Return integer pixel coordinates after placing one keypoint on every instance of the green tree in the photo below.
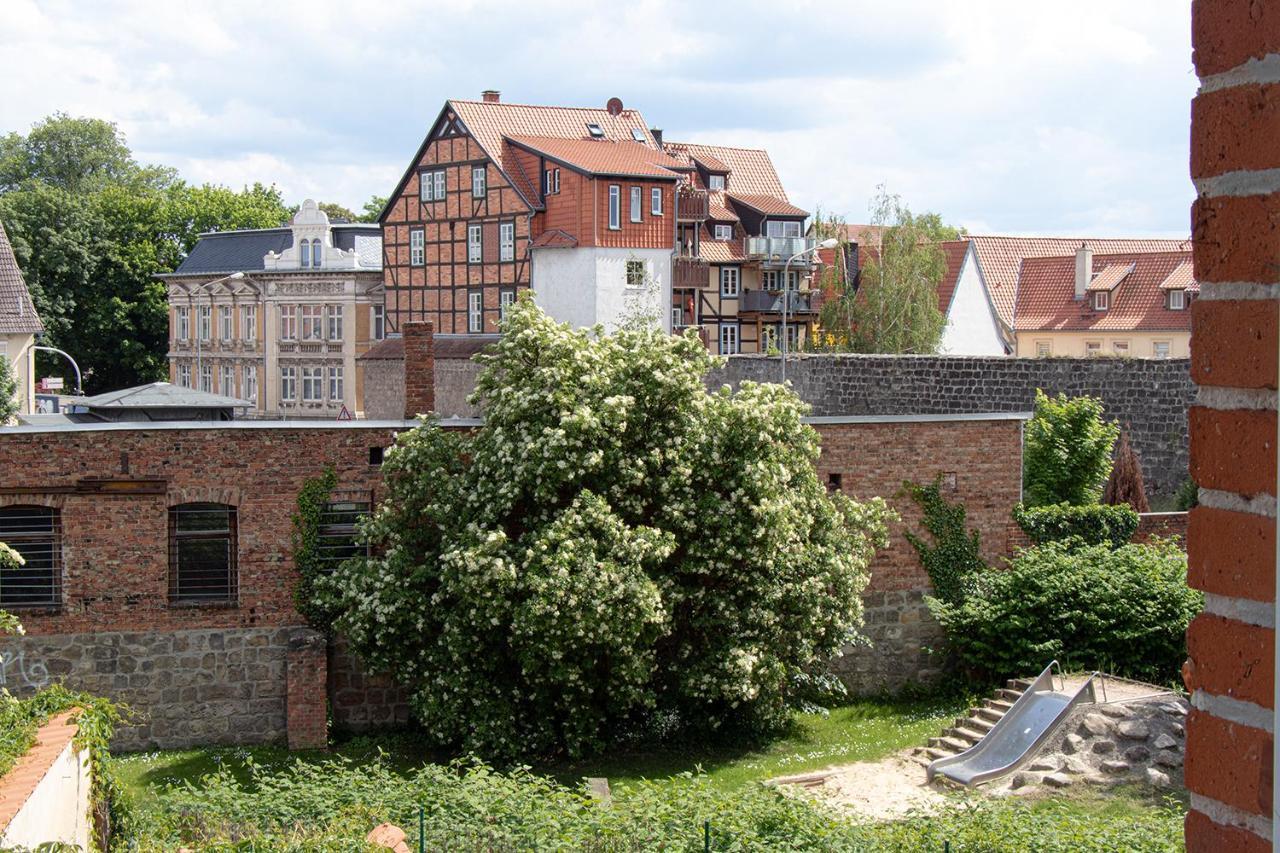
(372, 209)
(612, 542)
(89, 241)
(894, 307)
(1067, 451)
(8, 392)
(9, 559)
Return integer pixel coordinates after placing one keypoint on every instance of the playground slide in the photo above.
(1017, 735)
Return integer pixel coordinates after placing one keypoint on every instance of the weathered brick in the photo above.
(1227, 33)
(1239, 126)
(1231, 553)
(1205, 836)
(1236, 343)
(1228, 762)
(1230, 658)
(1234, 239)
(1234, 450)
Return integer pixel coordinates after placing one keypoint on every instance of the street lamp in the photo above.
(829, 243)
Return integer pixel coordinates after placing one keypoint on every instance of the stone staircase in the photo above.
(967, 731)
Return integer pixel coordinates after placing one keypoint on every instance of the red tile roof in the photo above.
(767, 204)
(719, 208)
(999, 259)
(1108, 278)
(863, 235)
(1046, 294)
(555, 239)
(1182, 278)
(711, 164)
(603, 157)
(954, 252)
(750, 169)
(17, 313)
(722, 251)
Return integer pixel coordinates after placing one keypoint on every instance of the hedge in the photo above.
(1096, 524)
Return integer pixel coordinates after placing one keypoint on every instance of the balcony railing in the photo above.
(770, 302)
(779, 249)
(690, 272)
(693, 205)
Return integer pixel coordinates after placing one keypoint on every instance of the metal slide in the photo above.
(1019, 733)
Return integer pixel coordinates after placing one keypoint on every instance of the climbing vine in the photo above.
(955, 554)
(312, 498)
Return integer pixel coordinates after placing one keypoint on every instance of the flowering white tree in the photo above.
(9, 559)
(614, 541)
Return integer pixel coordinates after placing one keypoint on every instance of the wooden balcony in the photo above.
(690, 272)
(692, 205)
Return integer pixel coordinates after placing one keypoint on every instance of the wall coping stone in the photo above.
(155, 426)
(17, 786)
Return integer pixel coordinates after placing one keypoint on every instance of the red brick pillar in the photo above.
(1235, 164)
(419, 368)
(306, 676)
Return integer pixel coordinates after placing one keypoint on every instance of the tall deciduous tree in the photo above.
(1067, 451)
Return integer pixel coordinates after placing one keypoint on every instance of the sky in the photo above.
(1018, 117)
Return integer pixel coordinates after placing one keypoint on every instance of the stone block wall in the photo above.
(383, 388)
(1150, 396)
(359, 700)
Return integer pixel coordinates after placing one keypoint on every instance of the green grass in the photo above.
(861, 731)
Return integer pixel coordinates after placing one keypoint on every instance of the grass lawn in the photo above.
(861, 731)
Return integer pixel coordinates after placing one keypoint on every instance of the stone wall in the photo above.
(1150, 396)
(383, 388)
(455, 379)
(359, 700)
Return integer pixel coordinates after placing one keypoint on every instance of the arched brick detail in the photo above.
(53, 501)
(228, 495)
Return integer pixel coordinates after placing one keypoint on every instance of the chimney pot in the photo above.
(1084, 269)
(657, 135)
(491, 96)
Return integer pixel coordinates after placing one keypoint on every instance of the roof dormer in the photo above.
(313, 247)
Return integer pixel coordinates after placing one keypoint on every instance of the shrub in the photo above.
(956, 553)
(1099, 524)
(1125, 485)
(307, 558)
(9, 559)
(8, 393)
(1067, 451)
(1124, 611)
(1188, 495)
(614, 541)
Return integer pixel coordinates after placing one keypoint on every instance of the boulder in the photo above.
(1134, 730)
(1115, 766)
(1072, 744)
(1158, 778)
(1057, 780)
(1164, 741)
(1095, 725)
(1168, 758)
(1103, 747)
(1137, 754)
(1114, 711)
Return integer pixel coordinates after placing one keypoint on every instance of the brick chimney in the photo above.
(1084, 269)
(419, 368)
(491, 96)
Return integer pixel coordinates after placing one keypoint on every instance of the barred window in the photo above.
(202, 554)
(35, 532)
(336, 536)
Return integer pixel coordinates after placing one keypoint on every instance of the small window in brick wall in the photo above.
(834, 483)
(375, 455)
(35, 532)
(202, 554)
(336, 537)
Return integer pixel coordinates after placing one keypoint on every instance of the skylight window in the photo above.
(596, 131)
(637, 134)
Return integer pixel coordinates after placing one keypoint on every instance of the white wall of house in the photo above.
(971, 325)
(17, 350)
(586, 286)
(58, 809)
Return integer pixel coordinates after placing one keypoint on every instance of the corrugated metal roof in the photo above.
(17, 312)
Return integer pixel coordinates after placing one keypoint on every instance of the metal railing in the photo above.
(770, 301)
(35, 532)
(778, 248)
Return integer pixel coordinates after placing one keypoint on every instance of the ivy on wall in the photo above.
(955, 553)
(312, 498)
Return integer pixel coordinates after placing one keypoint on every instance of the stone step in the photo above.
(950, 743)
(1020, 684)
(992, 714)
(934, 753)
(998, 704)
(977, 724)
(965, 734)
(1008, 695)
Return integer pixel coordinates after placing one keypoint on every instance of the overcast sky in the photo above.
(1005, 117)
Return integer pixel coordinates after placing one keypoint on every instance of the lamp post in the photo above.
(829, 243)
(55, 350)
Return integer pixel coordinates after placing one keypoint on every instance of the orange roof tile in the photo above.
(1046, 294)
(722, 251)
(751, 170)
(711, 164)
(767, 204)
(1182, 278)
(999, 259)
(603, 157)
(555, 239)
(1109, 277)
(954, 252)
(863, 235)
(719, 209)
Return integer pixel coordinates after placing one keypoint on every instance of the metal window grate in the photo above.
(202, 554)
(336, 537)
(35, 532)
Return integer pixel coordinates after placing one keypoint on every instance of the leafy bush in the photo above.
(1124, 611)
(1188, 495)
(8, 392)
(1098, 524)
(332, 805)
(305, 540)
(613, 542)
(956, 553)
(9, 559)
(1067, 450)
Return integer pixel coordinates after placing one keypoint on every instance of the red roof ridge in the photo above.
(539, 106)
(717, 145)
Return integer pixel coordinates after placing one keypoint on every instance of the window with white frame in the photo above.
(227, 381)
(1044, 349)
(715, 182)
(288, 322)
(1120, 347)
(475, 244)
(1100, 300)
(312, 323)
(655, 201)
(334, 318)
(304, 253)
(312, 384)
(206, 378)
(184, 375)
(431, 186)
(637, 203)
(288, 384)
(335, 384)
(507, 241)
(1092, 348)
(551, 181)
(730, 282)
(635, 273)
(225, 330)
(724, 232)
(205, 314)
(1160, 349)
(250, 388)
(506, 298)
(729, 339)
(615, 206)
(184, 323)
(773, 280)
(249, 322)
(316, 253)
(475, 311)
(779, 228)
(677, 316)
(417, 239)
(478, 174)
(378, 314)
(1177, 300)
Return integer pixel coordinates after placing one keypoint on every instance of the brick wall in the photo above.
(1235, 164)
(419, 368)
(1150, 396)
